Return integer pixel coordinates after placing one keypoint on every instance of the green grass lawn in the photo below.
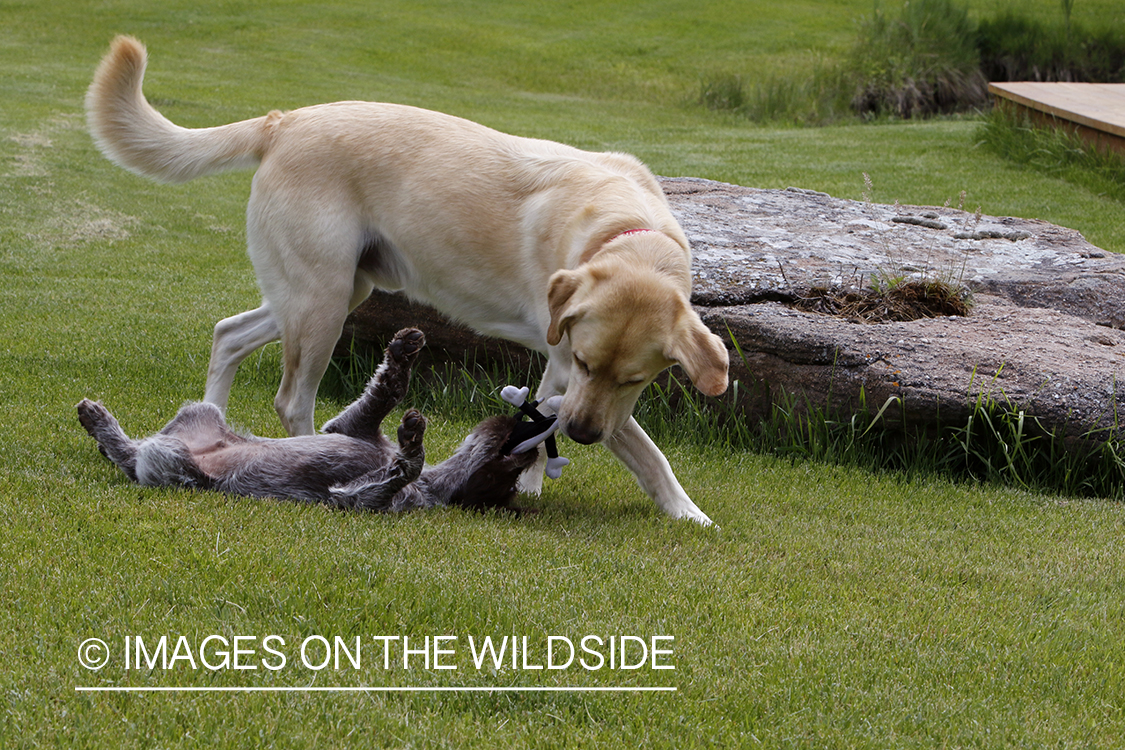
(834, 608)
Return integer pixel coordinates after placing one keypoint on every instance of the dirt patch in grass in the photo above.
(31, 148)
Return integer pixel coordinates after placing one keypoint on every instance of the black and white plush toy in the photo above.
(541, 428)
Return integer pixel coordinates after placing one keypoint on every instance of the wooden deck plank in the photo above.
(1096, 107)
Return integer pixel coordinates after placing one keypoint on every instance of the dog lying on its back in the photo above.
(351, 465)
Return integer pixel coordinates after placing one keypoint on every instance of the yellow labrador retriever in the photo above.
(571, 253)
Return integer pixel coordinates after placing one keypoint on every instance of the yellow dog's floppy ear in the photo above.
(702, 355)
(563, 285)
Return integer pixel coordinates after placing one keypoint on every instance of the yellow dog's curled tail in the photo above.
(135, 136)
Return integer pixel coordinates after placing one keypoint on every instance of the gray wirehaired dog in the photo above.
(350, 465)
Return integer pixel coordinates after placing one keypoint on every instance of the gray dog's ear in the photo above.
(563, 285)
(702, 355)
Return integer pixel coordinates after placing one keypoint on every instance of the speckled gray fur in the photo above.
(350, 465)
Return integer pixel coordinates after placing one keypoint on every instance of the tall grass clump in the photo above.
(818, 98)
(722, 92)
(1014, 47)
(922, 63)
(998, 443)
(929, 59)
(1057, 152)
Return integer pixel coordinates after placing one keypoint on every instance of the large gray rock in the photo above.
(753, 245)
(1043, 332)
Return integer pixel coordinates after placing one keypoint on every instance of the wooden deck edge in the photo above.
(1097, 133)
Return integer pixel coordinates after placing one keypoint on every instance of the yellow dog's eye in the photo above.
(581, 365)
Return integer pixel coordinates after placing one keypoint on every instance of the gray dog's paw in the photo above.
(406, 344)
(91, 414)
(411, 431)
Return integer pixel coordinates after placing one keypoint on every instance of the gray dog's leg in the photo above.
(160, 460)
(385, 390)
(376, 489)
(112, 440)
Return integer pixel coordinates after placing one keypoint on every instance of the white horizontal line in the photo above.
(364, 689)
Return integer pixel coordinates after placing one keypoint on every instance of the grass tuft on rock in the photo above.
(901, 302)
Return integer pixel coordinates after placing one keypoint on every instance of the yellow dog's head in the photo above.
(626, 318)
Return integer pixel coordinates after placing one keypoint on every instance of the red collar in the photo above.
(594, 250)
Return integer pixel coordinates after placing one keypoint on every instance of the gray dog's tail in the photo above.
(137, 137)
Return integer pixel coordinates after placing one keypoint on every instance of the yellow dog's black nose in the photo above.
(582, 433)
